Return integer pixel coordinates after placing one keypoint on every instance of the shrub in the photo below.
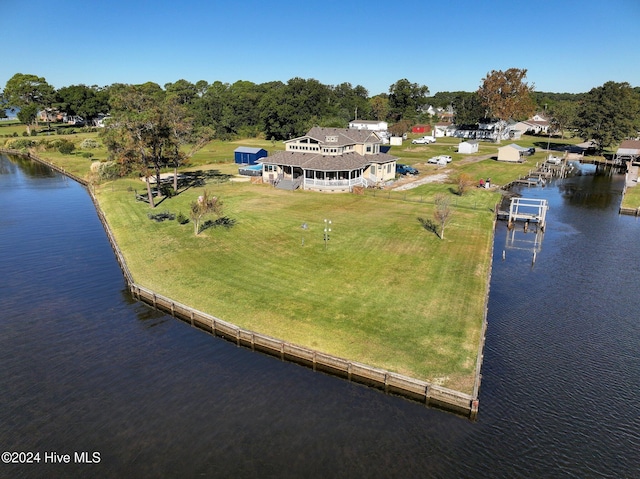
(182, 219)
(20, 144)
(86, 154)
(105, 170)
(89, 144)
(159, 217)
(66, 147)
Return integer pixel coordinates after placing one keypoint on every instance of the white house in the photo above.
(468, 147)
(368, 125)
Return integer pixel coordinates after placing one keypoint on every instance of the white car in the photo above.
(425, 140)
(440, 160)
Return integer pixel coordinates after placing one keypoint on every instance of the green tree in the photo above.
(468, 108)
(609, 114)
(82, 100)
(146, 131)
(405, 99)
(26, 91)
(289, 110)
(506, 95)
(379, 107)
(351, 102)
(563, 115)
(183, 91)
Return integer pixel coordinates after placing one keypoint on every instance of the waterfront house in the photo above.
(330, 160)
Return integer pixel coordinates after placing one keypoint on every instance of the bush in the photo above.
(89, 144)
(86, 154)
(159, 217)
(105, 170)
(20, 144)
(167, 190)
(66, 147)
(182, 219)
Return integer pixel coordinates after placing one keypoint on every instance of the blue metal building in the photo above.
(249, 156)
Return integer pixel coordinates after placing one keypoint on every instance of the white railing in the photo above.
(310, 182)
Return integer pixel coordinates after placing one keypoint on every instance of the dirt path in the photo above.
(408, 183)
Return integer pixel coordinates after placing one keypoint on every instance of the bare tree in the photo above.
(204, 206)
(443, 212)
(464, 181)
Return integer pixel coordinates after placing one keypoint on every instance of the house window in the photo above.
(368, 148)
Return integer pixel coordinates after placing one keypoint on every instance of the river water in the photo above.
(125, 391)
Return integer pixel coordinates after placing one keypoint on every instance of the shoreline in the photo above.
(432, 395)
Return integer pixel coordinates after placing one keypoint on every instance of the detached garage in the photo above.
(512, 152)
(246, 155)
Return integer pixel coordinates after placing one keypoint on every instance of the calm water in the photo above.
(85, 368)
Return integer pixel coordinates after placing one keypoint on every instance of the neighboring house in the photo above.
(100, 120)
(468, 147)
(629, 150)
(490, 131)
(446, 116)
(49, 115)
(330, 160)
(442, 129)
(368, 125)
(421, 129)
(512, 152)
(249, 156)
(536, 125)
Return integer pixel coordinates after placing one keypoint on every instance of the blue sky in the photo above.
(565, 45)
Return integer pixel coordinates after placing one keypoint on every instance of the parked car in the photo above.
(439, 160)
(405, 169)
(425, 140)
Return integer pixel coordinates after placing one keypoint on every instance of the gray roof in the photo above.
(517, 147)
(629, 147)
(344, 136)
(319, 162)
(247, 149)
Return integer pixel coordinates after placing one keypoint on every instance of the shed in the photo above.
(511, 152)
(468, 147)
(421, 129)
(249, 156)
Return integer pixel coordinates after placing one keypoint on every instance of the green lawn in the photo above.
(385, 291)
(631, 198)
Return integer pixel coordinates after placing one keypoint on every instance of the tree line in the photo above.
(278, 111)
